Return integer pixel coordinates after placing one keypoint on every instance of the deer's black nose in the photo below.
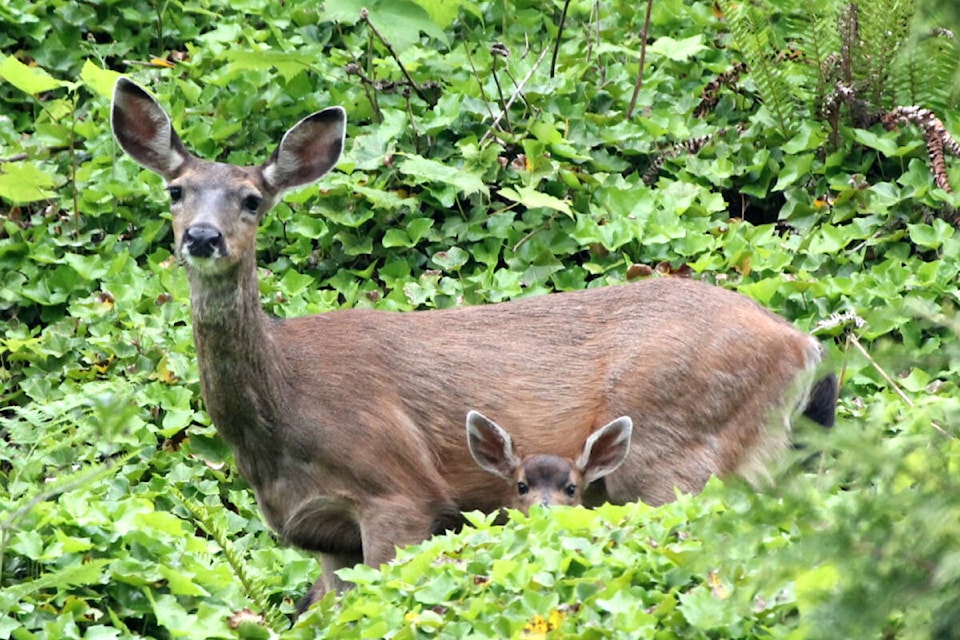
(203, 241)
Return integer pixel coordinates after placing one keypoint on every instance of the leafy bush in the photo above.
(120, 512)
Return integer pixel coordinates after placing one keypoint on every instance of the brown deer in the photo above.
(543, 478)
(349, 425)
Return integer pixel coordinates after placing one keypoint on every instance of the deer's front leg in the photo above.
(329, 580)
(391, 522)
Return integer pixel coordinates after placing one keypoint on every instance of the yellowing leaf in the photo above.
(163, 373)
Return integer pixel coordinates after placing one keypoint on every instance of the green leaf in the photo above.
(444, 12)
(813, 586)
(533, 199)
(181, 583)
(162, 521)
(705, 610)
(288, 64)
(99, 80)
(22, 182)
(885, 144)
(810, 137)
(32, 80)
(424, 171)
(678, 50)
(451, 259)
(400, 22)
(930, 236)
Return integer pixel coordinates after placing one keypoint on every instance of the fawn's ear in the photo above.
(605, 450)
(491, 446)
(144, 130)
(307, 151)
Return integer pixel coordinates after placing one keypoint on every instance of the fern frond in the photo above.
(815, 36)
(884, 26)
(928, 72)
(70, 575)
(754, 37)
(254, 589)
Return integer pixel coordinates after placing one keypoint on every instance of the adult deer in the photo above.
(543, 478)
(349, 425)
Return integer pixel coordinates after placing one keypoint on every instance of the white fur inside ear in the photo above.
(270, 172)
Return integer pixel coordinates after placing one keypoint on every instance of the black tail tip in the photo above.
(822, 404)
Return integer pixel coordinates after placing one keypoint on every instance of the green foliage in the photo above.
(121, 514)
(882, 54)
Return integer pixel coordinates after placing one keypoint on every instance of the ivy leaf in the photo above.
(32, 80)
(452, 259)
(424, 171)
(884, 144)
(533, 199)
(444, 12)
(288, 64)
(22, 182)
(678, 50)
(99, 80)
(400, 22)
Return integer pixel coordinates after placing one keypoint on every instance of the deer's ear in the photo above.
(307, 151)
(144, 130)
(491, 446)
(605, 450)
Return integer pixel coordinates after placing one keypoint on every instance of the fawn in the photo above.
(348, 425)
(544, 478)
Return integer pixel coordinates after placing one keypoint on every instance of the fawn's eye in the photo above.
(176, 194)
(522, 488)
(570, 490)
(252, 203)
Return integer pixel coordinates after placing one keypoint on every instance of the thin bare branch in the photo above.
(365, 16)
(556, 45)
(643, 57)
(893, 385)
(513, 97)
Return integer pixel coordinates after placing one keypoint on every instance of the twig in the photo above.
(526, 78)
(643, 57)
(499, 50)
(483, 93)
(556, 45)
(893, 385)
(20, 157)
(365, 16)
(533, 232)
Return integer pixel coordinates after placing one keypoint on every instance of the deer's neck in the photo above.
(241, 373)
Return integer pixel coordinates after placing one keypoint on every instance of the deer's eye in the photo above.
(176, 194)
(522, 488)
(252, 203)
(570, 490)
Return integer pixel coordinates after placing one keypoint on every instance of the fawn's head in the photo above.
(217, 207)
(542, 478)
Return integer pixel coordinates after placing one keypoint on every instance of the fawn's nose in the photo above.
(203, 241)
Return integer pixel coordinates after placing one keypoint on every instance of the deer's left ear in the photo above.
(310, 149)
(605, 450)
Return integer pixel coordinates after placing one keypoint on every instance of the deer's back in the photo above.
(698, 368)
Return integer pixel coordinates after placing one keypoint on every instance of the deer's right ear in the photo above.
(491, 446)
(144, 130)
